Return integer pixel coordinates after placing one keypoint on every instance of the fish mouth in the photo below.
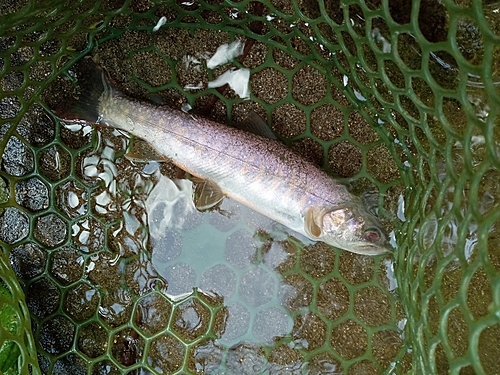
(371, 249)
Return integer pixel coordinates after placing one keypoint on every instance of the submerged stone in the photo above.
(50, 230)
(14, 225)
(55, 163)
(43, 297)
(57, 335)
(28, 260)
(17, 158)
(32, 194)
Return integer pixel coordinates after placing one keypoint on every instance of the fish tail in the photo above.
(92, 86)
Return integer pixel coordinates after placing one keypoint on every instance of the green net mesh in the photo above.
(397, 99)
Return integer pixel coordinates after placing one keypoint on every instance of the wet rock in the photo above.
(50, 230)
(166, 353)
(66, 265)
(309, 332)
(4, 191)
(181, 278)
(21, 56)
(71, 198)
(12, 81)
(81, 302)
(128, 347)
(257, 287)
(296, 293)
(14, 225)
(105, 368)
(55, 163)
(9, 107)
(104, 271)
(43, 297)
(36, 126)
(205, 357)
(191, 320)
(220, 280)
(271, 324)
(17, 158)
(246, 359)
(349, 339)
(56, 335)
(75, 139)
(93, 340)
(165, 249)
(32, 194)
(240, 251)
(70, 364)
(28, 260)
(236, 323)
(88, 235)
(4, 128)
(152, 313)
(116, 307)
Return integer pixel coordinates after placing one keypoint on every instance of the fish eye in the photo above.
(373, 234)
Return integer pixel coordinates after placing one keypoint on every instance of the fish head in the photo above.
(349, 227)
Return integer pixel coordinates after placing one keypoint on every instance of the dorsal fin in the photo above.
(256, 125)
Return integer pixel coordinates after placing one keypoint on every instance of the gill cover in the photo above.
(313, 219)
(312, 227)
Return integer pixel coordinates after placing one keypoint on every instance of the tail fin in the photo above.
(84, 105)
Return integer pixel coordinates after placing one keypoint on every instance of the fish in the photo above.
(248, 166)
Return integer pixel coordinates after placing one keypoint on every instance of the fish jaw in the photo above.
(349, 227)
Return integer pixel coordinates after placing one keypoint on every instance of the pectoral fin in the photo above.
(313, 229)
(207, 195)
(143, 151)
